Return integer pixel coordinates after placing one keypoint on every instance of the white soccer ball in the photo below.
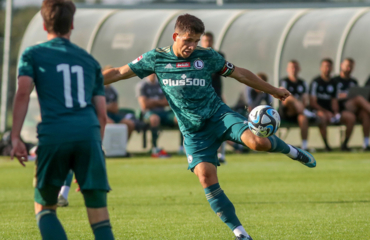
(264, 121)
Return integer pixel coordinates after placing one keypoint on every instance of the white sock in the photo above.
(223, 148)
(366, 142)
(64, 192)
(304, 144)
(239, 231)
(293, 152)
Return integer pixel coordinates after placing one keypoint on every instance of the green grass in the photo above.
(275, 198)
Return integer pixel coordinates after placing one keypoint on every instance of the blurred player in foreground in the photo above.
(70, 89)
(184, 72)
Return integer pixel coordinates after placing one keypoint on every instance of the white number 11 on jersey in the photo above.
(68, 84)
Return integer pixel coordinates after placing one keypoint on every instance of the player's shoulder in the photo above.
(301, 81)
(83, 53)
(161, 50)
(284, 79)
(354, 80)
(33, 48)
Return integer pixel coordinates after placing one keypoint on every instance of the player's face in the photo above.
(346, 67)
(185, 43)
(206, 42)
(293, 69)
(326, 68)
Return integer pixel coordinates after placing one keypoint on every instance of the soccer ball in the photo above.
(264, 121)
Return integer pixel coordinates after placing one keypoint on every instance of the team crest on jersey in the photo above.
(190, 158)
(198, 64)
(183, 65)
(330, 88)
(137, 59)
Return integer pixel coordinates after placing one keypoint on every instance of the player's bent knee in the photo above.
(154, 120)
(95, 198)
(258, 144)
(206, 173)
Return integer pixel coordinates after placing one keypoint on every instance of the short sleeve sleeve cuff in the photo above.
(25, 65)
(143, 65)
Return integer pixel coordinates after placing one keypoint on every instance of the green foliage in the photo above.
(275, 198)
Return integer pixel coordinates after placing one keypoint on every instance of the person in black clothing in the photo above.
(294, 107)
(323, 98)
(256, 97)
(357, 105)
(207, 42)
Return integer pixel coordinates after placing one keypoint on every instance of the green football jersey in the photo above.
(66, 78)
(186, 82)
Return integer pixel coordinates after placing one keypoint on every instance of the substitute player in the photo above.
(184, 72)
(70, 90)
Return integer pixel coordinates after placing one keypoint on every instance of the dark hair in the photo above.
(263, 76)
(328, 60)
(58, 15)
(208, 34)
(349, 60)
(294, 61)
(189, 23)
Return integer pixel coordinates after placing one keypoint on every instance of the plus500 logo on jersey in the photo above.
(185, 82)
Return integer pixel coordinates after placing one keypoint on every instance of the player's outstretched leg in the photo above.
(64, 191)
(220, 204)
(275, 144)
(46, 217)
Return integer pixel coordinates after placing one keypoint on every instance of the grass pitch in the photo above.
(275, 198)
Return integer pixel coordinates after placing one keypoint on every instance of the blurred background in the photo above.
(260, 35)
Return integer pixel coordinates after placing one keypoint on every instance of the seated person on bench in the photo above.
(153, 102)
(323, 98)
(113, 114)
(357, 105)
(293, 109)
(256, 97)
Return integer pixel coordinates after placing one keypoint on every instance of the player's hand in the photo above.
(281, 94)
(19, 150)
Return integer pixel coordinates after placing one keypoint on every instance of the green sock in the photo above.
(278, 145)
(102, 230)
(154, 136)
(49, 225)
(222, 206)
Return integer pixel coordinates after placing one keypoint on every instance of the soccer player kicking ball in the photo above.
(70, 90)
(185, 75)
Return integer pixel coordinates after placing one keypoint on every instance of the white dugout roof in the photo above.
(261, 40)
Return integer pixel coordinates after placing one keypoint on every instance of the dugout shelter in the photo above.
(262, 38)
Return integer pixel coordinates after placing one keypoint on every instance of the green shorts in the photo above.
(167, 117)
(224, 125)
(85, 158)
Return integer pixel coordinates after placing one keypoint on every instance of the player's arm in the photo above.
(115, 74)
(248, 78)
(20, 107)
(101, 112)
